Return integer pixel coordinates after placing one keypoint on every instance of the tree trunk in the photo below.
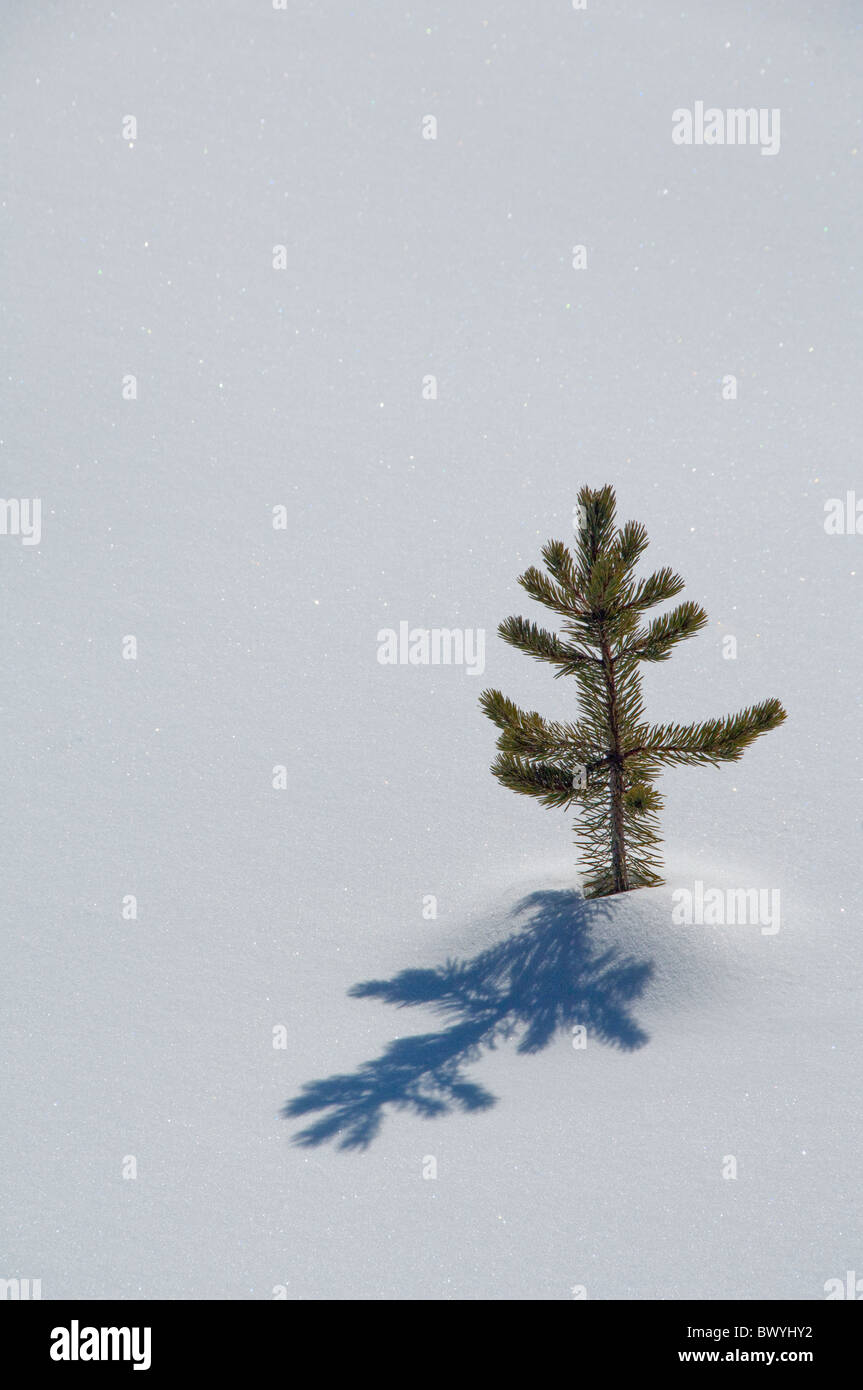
(618, 839)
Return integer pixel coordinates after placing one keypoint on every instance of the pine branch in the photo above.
(598, 511)
(541, 644)
(657, 640)
(552, 785)
(501, 710)
(631, 543)
(575, 663)
(562, 568)
(526, 733)
(662, 585)
(713, 741)
(542, 589)
(604, 585)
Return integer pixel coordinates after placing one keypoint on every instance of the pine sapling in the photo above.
(606, 762)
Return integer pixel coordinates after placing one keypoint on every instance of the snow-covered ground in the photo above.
(501, 1161)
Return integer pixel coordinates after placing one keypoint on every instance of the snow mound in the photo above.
(542, 962)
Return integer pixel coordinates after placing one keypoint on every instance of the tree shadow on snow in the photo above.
(544, 979)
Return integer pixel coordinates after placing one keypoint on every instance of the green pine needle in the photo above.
(606, 762)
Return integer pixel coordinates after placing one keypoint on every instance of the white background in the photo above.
(257, 647)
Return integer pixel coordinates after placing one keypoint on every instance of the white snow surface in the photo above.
(557, 1167)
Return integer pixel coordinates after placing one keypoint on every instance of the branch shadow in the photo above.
(546, 978)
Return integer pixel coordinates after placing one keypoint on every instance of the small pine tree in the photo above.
(607, 761)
